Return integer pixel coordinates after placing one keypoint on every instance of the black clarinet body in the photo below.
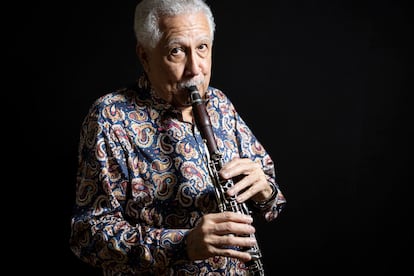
(215, 160)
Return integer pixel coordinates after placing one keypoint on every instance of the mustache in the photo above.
(192, 82)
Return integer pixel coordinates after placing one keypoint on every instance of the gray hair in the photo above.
(148, 12)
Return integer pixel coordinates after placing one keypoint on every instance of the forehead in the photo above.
(194, 25)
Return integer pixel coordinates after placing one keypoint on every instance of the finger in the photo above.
(230, 216)
(244, 167)
(232, 253)
(241, 185)
(231, 240)
(235, 167)
(226, 228)
(249, 186)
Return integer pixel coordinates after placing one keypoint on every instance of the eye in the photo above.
(176, 51)
(203, 47)
(203, 50)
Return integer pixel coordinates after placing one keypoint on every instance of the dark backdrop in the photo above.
(323, 84)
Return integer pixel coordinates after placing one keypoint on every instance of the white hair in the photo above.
(148, 13)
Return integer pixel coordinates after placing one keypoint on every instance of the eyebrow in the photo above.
(180, 41)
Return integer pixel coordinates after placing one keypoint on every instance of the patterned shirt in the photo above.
(143, 181)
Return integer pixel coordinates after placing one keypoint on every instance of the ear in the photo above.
(143, 57)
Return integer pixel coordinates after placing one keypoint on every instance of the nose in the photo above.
(193, 64)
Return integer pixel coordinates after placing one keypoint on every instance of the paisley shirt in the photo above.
(143, 182)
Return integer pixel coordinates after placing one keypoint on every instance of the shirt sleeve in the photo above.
(100, 234)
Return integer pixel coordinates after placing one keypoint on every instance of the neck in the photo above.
(187, 114)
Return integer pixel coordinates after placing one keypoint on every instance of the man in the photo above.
(146, 199)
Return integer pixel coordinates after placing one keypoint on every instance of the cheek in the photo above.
(158, 69)
(206, 66)
(166, 75)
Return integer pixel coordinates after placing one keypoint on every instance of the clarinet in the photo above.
(215, 162)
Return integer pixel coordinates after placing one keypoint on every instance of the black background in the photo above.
(323, 84)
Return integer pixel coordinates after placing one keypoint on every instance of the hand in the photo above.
(253, 184)
(216, 232)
